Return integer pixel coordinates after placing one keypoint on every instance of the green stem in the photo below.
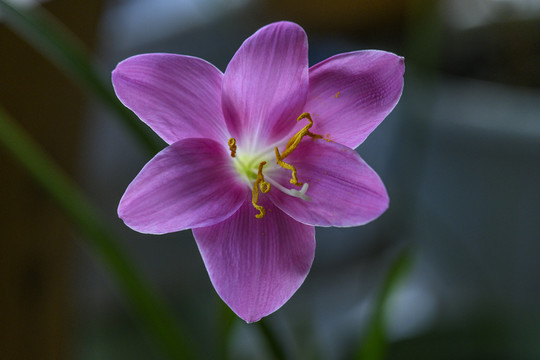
(62, 47)
(375, 341)
(147, 305)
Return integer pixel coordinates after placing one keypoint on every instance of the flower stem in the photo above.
(151, 310)
(64, 49)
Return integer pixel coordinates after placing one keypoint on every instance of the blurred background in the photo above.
(460, 156)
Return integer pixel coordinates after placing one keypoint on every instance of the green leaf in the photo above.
(154, 314)
(62, 47)
(375, 341)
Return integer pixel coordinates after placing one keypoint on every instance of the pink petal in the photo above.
(178, 96)
(188, 184)
(256, 265)
(350, 94)
(266, 83)
(345, 191)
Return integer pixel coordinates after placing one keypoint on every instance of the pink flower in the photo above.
(242, 172)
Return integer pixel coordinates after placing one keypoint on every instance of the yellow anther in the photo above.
(232, 146)
(295, 140)
(283, 164)
(264, 186)
(292, 144)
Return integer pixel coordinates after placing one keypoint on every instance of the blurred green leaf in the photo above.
(154, 314)
(272, 340)
(225, 322)
(375, 341)
(61, 46)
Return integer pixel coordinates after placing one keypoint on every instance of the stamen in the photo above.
(283, 164)
(232, 146)
(292, 144)
(264, 186)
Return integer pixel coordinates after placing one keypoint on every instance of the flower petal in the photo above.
(256, 265)
(265, 84)
(351, 93)
(178, 96)
(188, 184)
(344, 190)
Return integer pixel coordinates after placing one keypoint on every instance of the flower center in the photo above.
(246, 166)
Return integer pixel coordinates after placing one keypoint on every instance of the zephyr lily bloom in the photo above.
(258, 156)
